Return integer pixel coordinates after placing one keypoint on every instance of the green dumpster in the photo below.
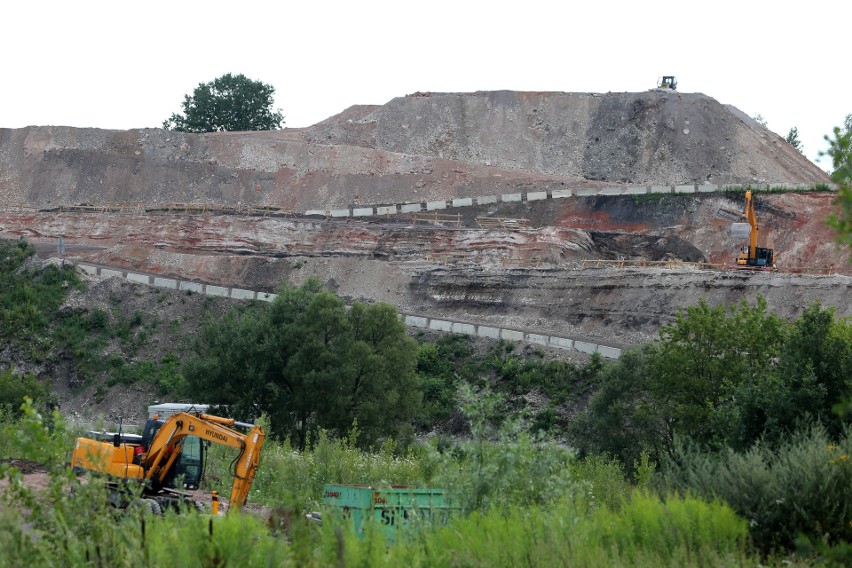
(394, 509)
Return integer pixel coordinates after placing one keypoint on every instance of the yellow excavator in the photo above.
(171, 452)
(755, 257)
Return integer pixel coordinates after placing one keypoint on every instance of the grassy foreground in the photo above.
(535, 505)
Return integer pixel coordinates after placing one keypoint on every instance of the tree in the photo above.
(793, 139)
(310, 364)
(758, 118)
(840, 151)
(228, 103)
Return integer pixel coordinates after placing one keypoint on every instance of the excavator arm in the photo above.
(751, 217)
(165, 448)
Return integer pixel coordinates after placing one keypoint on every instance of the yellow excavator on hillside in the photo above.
(170, 452)
(755, 257)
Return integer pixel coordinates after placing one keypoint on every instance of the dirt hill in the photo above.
(513, 263)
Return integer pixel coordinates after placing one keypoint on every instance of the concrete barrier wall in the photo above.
(369, 211)
(411, 320)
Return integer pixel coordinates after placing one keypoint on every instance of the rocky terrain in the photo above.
(112, 196)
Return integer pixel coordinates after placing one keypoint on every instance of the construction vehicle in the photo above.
(170, 453)
(755, 257)
(667, 83)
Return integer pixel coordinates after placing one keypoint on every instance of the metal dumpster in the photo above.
(393, 509)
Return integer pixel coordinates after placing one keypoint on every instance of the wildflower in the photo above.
(831, 447)
(843, 458)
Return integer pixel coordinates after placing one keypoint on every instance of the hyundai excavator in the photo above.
(170, 451)
(755, 257)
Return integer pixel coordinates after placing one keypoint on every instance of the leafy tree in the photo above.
(815, 371)
(228, 103)
(793, 139)
(840, 151)
(311, 364)
(15, 389)
(758, 118)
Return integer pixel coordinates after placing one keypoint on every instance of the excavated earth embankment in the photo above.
(515, 264)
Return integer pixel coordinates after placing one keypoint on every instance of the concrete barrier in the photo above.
(139, 278)
(387, 210)
(486, 200)
(661, 189)
(216, 291)
(415, 321)
(511, 197)
(536, 195)
(441, 325)
(708, 188)
(463, 202)
(511, 335)
(412, 321)
(465, 328)
(487, 331)
(560, 193)
(537, 338)
(435, 205)
(320, 212)
(609, 352)
(684, 189)
(561, 342)
(612, 191)
(587, 192)
(362, 212)
(192, 286)
(339, 212)
(636, 190)
(240, 294)
(410, 207)
(165, 283)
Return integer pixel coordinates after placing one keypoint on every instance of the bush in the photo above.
(804, 486)
(15, 389)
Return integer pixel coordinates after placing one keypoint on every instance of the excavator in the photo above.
(667, 83)
(755, 258)
(169, 452)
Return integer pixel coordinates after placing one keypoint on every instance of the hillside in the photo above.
(479, 207)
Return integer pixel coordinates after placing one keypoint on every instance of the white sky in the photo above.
(117, 64)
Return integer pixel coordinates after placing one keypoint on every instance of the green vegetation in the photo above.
(310, 364)
(585, 515)
(228, 103)
(721, 379)
(840, 151)
(793, 139)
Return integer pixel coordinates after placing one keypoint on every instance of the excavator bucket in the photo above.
(740, 230)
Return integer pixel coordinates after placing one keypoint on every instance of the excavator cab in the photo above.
(668, 82)
(186, 473)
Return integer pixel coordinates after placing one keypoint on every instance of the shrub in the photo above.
(804, 486)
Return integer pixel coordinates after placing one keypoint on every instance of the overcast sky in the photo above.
(119, 65)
